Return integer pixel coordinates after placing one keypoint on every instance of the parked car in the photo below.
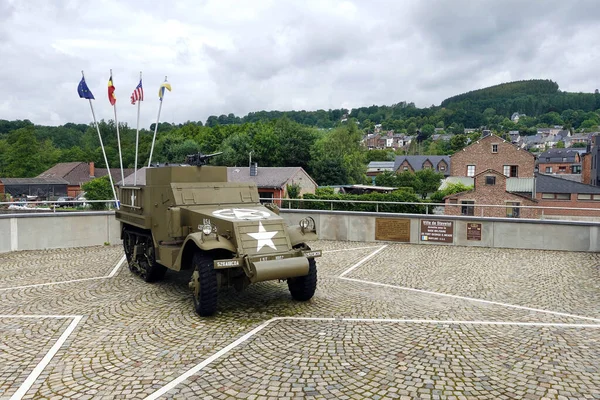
(66, 201)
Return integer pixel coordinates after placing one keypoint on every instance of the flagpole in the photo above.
(118, 138)
(103, 152)
(137, 136)
(155, 129)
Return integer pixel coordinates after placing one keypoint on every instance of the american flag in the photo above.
(138, 93)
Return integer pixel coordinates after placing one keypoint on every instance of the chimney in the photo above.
(254, 169)
(92, 170)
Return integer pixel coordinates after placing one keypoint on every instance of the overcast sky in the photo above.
(239, 56)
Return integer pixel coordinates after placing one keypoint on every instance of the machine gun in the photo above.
(199, 159)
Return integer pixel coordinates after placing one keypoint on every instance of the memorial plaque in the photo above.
(397, 230)
(437, 231)
(473, 231)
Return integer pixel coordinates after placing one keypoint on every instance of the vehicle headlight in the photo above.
(207, 229)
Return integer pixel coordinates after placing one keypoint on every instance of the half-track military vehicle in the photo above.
(189, 217)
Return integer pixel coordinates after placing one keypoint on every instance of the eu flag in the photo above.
(84, 91)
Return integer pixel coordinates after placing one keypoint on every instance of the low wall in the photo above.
(453, 230)
(57, 230)
(79, 229)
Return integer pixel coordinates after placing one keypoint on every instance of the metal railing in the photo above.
(51, 205)
(430, 206)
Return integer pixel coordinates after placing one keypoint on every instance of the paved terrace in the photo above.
(387, 321)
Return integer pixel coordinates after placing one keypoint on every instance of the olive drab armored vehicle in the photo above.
(191, 218)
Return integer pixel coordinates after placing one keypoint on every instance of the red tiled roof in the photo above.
(77, 173)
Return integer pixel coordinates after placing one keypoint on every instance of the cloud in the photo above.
(225, 56)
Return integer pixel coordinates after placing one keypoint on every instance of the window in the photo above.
(584, 196)
(470, 170)
(548, 170)
(494, 148)
(511, 171)
(442, 168)
(562, 169)
(405, 168)
(267, 196)
(490, 180)
(467, 207)
(556, 196)
(512, 209)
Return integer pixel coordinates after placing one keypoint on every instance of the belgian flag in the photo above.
(111, 91)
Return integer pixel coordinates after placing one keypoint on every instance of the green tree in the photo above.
(560, 145)
(386, 178)
(23, 160)
(98, 189)
(329, 171)
(178, 151)
(293, 191)
(341, 147)
(379, 155)
(452, 188)
(411, 129)
(428, 181)
(458, 142)
(295, 142)
(428, 130)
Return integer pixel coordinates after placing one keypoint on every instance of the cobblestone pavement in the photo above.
(136, 338)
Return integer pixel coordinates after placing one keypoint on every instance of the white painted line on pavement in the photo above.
(33, 375)
(497, 303)
(116, 268)
(199, 367)
(452, 322)
(349, 249)
(358, 264)
(38, 316)
(206, 362)
(112, 273)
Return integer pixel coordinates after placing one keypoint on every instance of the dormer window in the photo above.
(494, 148)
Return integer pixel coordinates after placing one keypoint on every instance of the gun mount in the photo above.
(199, 159)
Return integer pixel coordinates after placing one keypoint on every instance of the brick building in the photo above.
(489, 188)
(78, 173)
(559, 161)
(272, 182)
(440, 164)
(586, 169)
(556, 192)
(493, 152)
(590, 169)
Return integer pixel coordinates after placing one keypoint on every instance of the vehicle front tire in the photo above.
(303, 288)
(204, 285)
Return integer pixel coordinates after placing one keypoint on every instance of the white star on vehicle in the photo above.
(241, 213)
(263, 237)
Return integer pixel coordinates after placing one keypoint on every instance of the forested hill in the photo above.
(473, 109)
(325, 142)
(510, 90)
(533, 98)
